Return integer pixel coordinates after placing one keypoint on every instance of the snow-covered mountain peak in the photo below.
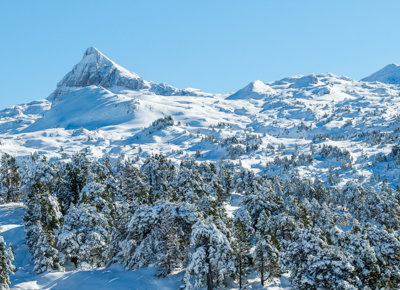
(390, 74)
(98, 70)
(254, 90)
(95, 69)
(93, 51)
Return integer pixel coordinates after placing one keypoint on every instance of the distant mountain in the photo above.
(96, 93)
(390, 74)
(95, 69)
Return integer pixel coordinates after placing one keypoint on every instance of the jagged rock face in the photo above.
(96, 69)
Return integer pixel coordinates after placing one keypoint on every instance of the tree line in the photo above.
(86, 213)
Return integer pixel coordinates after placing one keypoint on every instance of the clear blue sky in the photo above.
(217, 46)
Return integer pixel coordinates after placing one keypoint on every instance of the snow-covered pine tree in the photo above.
(314, 264)
(84, 237)
(212, 182)
(287, 187)
(362, 257)
(42, 215)
(9, 179)
(242, 232)
(326, 220)
(6, 266)
(210, 260)
(386, 244)
(263, 200)
(189, 185)
(265, 257)
(143, 237)
(384, 207)
(277, 186)
(160, 173)
(281, 226)
(225, 178)
(354, 198)
(133, 185)
(320, 191)
(118, 230)
(330, 178)
(85, 234)
(168, 243)
(246, 182)
(98, 192)
(71, 179)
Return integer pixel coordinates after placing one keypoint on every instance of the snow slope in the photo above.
(101, 108)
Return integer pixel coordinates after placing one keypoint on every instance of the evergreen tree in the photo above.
(362, 257)
(9, 179)
(6, 266)
(147, 243)
(42, 215)
(242, 232)
(189, 185)
(84, 237)
(210, 260)
(71, 179)
(246, 182)
(168, 244)
(266, 258)
(263, 200)
(386, 244)
(212, 182)
(160, 173)
(133, 185)
(314, 264)
(225, 178)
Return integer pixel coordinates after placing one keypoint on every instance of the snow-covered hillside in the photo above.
(102, 108)
(315, 125)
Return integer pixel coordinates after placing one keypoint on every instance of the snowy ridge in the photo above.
(390, 74)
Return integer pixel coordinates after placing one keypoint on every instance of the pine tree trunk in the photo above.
(209, 278)
(209, 274)
(10, 189)
(262, 269)
(240, 272)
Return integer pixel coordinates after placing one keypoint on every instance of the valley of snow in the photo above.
(101, 108)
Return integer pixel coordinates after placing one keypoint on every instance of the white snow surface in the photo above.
(101, 108)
